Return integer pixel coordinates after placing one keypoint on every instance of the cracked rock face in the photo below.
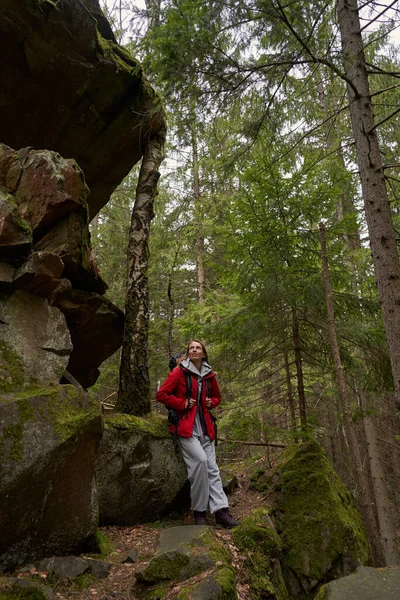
(45, 250)
(67, 86)
(35, 338)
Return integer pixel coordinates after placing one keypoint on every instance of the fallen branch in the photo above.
(109, 396)
(224, 441)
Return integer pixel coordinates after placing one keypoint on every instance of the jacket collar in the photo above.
(205, 368)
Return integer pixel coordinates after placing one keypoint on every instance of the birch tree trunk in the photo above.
(364, 496)
(134, 384)
(377, 210)
(382, 502)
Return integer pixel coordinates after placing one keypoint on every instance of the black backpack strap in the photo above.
(213, 418)
(188, 377)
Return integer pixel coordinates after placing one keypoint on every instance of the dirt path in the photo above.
(144, 539)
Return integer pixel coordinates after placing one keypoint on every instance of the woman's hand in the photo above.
(208, 402)
(190, 403)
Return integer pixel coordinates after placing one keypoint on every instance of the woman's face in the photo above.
(195, 351)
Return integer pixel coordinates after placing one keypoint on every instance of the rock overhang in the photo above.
(68, 86)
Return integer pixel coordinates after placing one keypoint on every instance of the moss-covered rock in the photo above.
(318, 521)
(49, 439)
(154, 424)
(185, 552)
(139, 472)
(257, 539)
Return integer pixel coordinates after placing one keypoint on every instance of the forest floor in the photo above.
(144, 539)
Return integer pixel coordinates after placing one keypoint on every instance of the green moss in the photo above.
(35, 391)
(323, 593)
(261, 546)
(69, 411)
(321, 526)
(14, 592)
(215, 550)
(104, 544)
(12, 435)
(254, 534)
(226, 577)
(144, 97)
(84, 581)
(119, 56)
(153, 424)
(186, 592)
(11, 369)
(167, 566)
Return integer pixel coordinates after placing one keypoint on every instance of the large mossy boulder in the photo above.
(67, 86)
(49, 439)
(316, 516)
(139, 473)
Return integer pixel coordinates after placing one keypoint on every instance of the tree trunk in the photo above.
(364, 496)
(299, 370)
(171, 313)
(134, 384)
(382, 502)
(199, 244)
(377, 210)
(293, 424)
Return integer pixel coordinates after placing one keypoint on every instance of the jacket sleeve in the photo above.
(215, 393)
(166, 392)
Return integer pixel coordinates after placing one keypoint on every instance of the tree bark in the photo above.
(199, 244)
(377, 210)
(382, 502)
(293, 424)
(299, 370)
(364, 496)
(134, 384)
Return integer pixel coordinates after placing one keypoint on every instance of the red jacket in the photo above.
(172, 393)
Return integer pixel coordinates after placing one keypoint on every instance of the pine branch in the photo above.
(378, 15)
(317, 60)
(384, 120)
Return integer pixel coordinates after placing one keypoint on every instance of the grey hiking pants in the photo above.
(203, 473)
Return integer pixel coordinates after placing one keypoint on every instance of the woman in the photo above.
(196, 431)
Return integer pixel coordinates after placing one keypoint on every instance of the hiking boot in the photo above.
(223, 518)
(200, 517)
